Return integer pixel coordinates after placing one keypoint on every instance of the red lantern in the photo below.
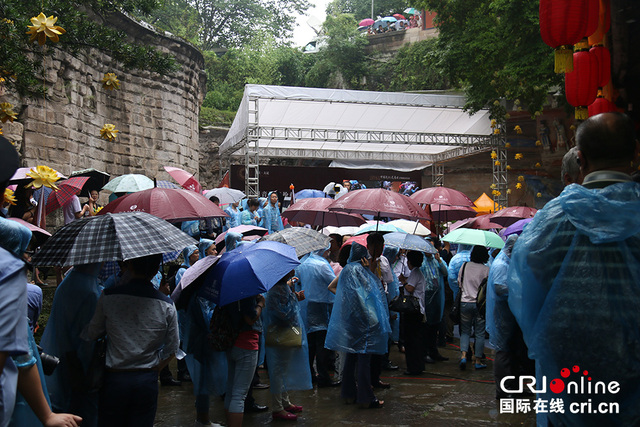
(593, 16)
(581, 85)
(604, 22)
(562, 24)
(604, 64)
(601, 105)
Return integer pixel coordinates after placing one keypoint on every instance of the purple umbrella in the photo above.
(516, 227)
(192, 274)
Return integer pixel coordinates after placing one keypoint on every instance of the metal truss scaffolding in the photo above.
(500, 181)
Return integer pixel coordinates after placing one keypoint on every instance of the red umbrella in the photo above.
(446, 213)
(315, 212)
(360, 238)
(441, 196)
(166, 203)
(508, 216)
(483, 222)
(184, 178)
(399, 16)
(379, 202)
(66, 190)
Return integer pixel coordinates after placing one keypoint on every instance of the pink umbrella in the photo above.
(20, 177)
(315, 212)
(441, 196)
(366, 22)
(184, 178)
(379, 202)
(446, 213)
(166, 203)
(33, 228)
(508, 216)
(245, 230)
(190, 276)
(483, 222)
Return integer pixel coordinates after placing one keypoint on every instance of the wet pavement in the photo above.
(442, 396)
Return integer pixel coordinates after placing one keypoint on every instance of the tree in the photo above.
(22, 60)
(178, 17)
(361, 9)
(414, 68)
(492, 49)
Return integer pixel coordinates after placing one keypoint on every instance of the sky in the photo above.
(303, 34)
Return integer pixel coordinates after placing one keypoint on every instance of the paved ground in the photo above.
(442, 396)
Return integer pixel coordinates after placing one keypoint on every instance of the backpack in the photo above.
(481, 298)
(222, 331)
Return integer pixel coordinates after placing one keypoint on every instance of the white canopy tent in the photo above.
(349, 125)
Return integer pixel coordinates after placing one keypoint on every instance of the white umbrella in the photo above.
(226, 195)
(343, 231)
(411, 227)
(335, 190)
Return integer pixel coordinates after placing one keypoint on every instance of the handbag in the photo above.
(455, 308)
(405, 303)
(283, 336)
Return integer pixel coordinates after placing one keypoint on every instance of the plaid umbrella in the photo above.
(97, 179)
(166, 184)
(304, 240)
(66, 191)
(111, 237)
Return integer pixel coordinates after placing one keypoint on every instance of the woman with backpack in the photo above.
(471, 276)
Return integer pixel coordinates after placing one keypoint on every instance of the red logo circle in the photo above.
(556, 386)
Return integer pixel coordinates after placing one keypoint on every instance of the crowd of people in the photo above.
(564, 293)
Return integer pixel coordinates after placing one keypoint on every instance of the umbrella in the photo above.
(111, 237)
(379, 202)
(411, 227)
(166, 184)
(226, 195)
(382, 227)
(516, 227)
(399, 16)
(366, 22)
(469, 236)
(483, 222)
(409, 242)
(248, 271)
(245, 230)
(441, 196)
(184, 178)
(446, 213)
(109, 268)
(380, 23)
(309, 194)
(508, 216)
(361, 239)
(335, 190)
(166, 203)
(411, 11)
(343, 231)
(304, 240)
(389, 19)
(34, 229)
(315, 212)
(20, 176)
(193, 274)
(97, 179)
(66, 190)
(129, 183)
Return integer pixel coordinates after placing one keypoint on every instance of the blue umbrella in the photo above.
(247, 271)
(409, 242)
(382, 227)
(310, 194)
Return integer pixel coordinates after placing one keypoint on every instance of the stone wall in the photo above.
(157, 116)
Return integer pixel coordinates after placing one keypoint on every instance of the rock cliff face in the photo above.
(157, 116)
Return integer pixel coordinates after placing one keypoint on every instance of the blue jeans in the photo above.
(469, 317)
(242, 365)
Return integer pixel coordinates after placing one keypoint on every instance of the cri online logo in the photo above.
(581, 385)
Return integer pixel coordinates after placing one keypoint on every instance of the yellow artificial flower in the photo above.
(521, 178)
(8, 197)
(496, 103)
(108, 132)
(110, 82)
(572, 127)
(518, 129)
(497, 163)
(537, 113)
(507, 145)
(44, 27)
(7, 113)
(539, 195)
(516, 102)
(518, 156)
(518, 186)
(538, 143)
(494, 155)
(43, 176)
(538, 165)
(494, 123)
(508, 191)
(0, 131)
(98, 210)
(507, 116)
(508, 167)
(496, 131)
(496, 193)
(493, 186)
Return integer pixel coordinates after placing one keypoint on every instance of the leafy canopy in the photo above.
(361, 9)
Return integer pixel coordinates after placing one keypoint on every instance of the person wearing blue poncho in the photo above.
(74, 304)
(235, 214)
(206, 247)
(359, 326)
(250, 215)
(574, 283)
(288, 364)
(433, 269)
(190, 255)
(232, 240)
(271, 214)
(463, 255)
(393, 290)
(315, 275)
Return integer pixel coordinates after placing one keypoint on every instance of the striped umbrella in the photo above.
(69, 188)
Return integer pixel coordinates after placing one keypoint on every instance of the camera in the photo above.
(49, 362)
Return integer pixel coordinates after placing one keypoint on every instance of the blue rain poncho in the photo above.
(272, 220)
(455, 264)
(207, 368)
(499, 319)
(203, 246)
(288, 366)
(433, 272)
(74, 304)
(234, 219)
(360, 317)
(231, 240)
(315, 274)
(393, 290)
(15, 237)
(186, 253)
(574, 287)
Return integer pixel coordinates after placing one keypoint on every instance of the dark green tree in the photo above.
(361, 9)
(414, 68)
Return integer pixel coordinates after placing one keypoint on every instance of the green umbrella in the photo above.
(469, 236)
(129, 184)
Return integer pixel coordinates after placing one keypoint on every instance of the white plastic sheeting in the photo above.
(355, 125)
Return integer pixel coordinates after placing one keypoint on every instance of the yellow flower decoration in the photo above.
(8, 197)
(496, 193)
(108, 132)
(497, 163)
(496, 131)
(493, 186)
(518, 156)
(508, 167)
(538, 165)
(507, 116)
(521, 178)
(518, 186)
(496, 103)
(537, 113)
(572, 127)
(110, 82)
(494, 155)
(494, 123)
(44, 27)
(7, 113)
(518, 129)
(516, 102)
(508, 191)
(43, 176)
(539, 195)
(507, 145)
(538, 143)
(98, 210)
(0, 131)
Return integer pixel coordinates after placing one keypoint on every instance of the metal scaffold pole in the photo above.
(252, 152)
(437, 174)
(499, 165)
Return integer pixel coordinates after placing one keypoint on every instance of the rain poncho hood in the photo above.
(315, 274)
(15, 237)
(434, 290)
(186, 253)
(231, 240)
(499, 320)
(574, 287)
(393, 290)
(203, 246)
(360, 317)
(271, 216)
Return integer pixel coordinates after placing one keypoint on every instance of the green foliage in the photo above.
(215, 117)
(492, 49)
(414, 68)
(361, 9)
(178, 17)
(22, 61)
